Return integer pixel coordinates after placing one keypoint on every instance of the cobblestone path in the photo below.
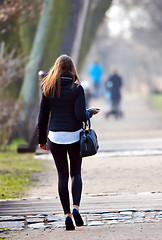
(96, 210)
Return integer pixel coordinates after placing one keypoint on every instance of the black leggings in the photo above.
(59, 152)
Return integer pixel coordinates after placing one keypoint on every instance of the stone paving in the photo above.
(96, 211)
(10, 223)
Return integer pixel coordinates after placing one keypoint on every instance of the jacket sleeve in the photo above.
(81, 113)
(43, 119)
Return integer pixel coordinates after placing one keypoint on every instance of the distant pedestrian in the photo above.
(63, 106)
(113, 88)
(95, 72)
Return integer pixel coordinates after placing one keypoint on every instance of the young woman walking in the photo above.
(63, 106)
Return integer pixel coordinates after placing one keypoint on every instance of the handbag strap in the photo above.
(87, 124)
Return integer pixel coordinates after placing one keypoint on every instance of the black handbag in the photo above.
(88, 141)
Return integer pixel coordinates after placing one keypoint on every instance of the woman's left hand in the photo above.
(95, 110)
(43, 147)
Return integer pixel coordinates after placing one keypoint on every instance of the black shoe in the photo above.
(78, 220)
(69, 223)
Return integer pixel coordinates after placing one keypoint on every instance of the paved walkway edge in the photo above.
(95, 209)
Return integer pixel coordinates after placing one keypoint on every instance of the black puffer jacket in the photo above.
(64, 113)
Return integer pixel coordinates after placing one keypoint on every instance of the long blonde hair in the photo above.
(63, 64)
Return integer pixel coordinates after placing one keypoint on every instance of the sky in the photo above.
(120, 21)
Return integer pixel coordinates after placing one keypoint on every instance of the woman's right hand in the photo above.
(95, 110)
(43, 147)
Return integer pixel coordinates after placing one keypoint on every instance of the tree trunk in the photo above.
(61, 25)
(29, 92)
(61, 31)
(95, 15)
(55, 35)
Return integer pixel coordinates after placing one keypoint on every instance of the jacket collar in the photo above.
(66, 78)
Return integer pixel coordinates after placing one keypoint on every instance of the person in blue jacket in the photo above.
(113, 85)
(63, 109)
(95, 72)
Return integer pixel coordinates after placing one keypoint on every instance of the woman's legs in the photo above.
(75, 172)
(59, 153)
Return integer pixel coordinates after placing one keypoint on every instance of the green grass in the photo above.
(15, 173)
(156, 101)
(15, 143)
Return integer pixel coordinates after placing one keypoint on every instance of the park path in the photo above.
(122, 183)
(124, 145)
(140, 120)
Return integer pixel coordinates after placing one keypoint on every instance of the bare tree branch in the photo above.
(11, 11)
(11, 66)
